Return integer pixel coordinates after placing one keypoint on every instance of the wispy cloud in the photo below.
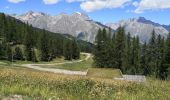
(16, 1)
(145, 5)
(93, 5)
(50, 2)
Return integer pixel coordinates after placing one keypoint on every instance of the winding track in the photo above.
(61, 71)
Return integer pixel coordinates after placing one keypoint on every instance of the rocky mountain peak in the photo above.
(80, 15)
(141, 27)
(75, 24)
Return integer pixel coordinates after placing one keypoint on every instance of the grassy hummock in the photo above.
(104, 73)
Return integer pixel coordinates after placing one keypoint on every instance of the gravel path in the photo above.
(62, 71)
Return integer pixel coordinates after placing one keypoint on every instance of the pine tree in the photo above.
(119, 48)
(2, 50)
(3, 26)
(144, 60)
(28, 44)
(135, 59)
(109, 49)
(75, 50)
(127, 59)
(44, 47)
(152, 54)
(68, 50)
(98, 49)
(34, 56)
(167, 50)
(159, 54)
(18, 54)
(9, 53)
(165, 69)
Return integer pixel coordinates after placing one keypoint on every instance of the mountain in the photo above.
(141, 27)
(77, 24)
(166, 27)
(82, 27)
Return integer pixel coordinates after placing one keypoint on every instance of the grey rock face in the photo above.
(140, 27)
(81, 26)
(76, 24)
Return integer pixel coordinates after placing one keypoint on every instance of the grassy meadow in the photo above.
(31, 84)
(97, 85)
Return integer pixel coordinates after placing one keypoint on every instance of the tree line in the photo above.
(20, 41)
(127, 53)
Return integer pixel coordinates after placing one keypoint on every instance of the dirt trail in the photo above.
(61, 71)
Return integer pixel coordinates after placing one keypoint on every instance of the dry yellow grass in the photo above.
(43, 85)
(104, 73)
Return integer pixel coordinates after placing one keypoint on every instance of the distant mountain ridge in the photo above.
(141, 27)
(76, 24)
(81, 26)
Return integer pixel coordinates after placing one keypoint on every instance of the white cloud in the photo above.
(50, 2)
(135, 3)
(144, 5)
(16, 1)
(92, 5)
(70, 1)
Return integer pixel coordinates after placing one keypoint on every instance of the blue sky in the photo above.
(100, 10)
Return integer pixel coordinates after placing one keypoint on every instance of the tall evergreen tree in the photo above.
(135, 59)
(68, 50)
(75, 50)
(144, 60)
(9, 53)
(44, 47)
(120, 48)
(2, 50)
(3, 26)
(18, 54)
(29, 43)
(98, 49)
(152, 54)
(34, 56)
(165, 70)
(127, 59)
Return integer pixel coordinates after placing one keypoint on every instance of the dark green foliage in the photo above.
(166, 68)
(34, 56)
(144, 60)
(29, 43)
(9, 53)
(128, 56)
(135, 56)
(18, 55)
(2, 50)
(117, 50)
(120, 48)
(44, 47)
(100, 52)
(152, 53)
(14, 32)
(75, 50)
(67, 50)
(167, 50)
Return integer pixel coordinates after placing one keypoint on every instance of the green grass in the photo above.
(80, 66)
(98, 85)
(43, 85)
(104, 73)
